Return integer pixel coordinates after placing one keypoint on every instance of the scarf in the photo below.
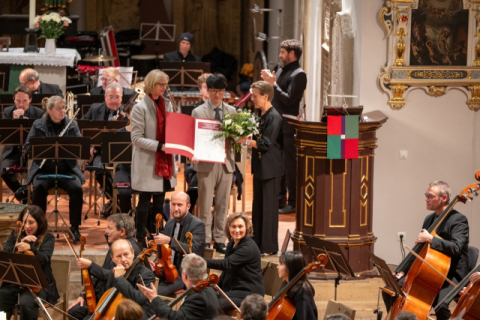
(163, 162)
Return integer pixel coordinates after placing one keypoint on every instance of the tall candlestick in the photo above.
(31, 14)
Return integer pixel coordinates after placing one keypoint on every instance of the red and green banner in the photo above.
(342, 137)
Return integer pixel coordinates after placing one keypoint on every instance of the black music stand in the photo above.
(59, 148)
(116, 149)
(386, 274)
(24, 271)
(184, 74)
(84, 102)
(336, 259)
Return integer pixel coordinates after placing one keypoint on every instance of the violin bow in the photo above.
(73, 250)
(178, 243)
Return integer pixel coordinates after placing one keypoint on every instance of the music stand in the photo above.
(184, 74)
(59, 148)
(286, 240)
(336, 260)
(24, 271)
(387, 277)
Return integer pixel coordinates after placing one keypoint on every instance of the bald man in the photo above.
(31, 79)
(109, 75)
(123, 257)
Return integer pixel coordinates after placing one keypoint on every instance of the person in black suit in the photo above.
(122, 254)
(289, 84)
(267, 169)
(11, 156)
(109, 75)
(53, 122)
(35, 238)
(182, 222)
(119, 226)
(107, 111)
(183, 53)
(198, 305)
(242, 270)
(302, 293)
(452, 240)
(30, 78)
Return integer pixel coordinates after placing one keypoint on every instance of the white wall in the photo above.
(441, 136)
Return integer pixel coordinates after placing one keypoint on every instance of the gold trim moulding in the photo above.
(432, 82)
(465, 68)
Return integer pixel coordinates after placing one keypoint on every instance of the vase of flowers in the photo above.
(52, 26)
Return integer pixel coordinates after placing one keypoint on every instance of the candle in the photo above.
(31, 16)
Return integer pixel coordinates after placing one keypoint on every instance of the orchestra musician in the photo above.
(31, 79)
(34, 237)
(202, 87)
(302, 293)
(198, 305)
(182, 222)
(452, 240)
(153, 171)
(109, 75)
(11, 156)
(214, 178)
(267, 169)
(119, 226)
(241, 267)
(107, 111)
(129, 310)
(51, 125)
(183, 53)
(122, 255)
(254, 307)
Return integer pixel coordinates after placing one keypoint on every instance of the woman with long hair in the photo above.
(33, 237)
(302, 293)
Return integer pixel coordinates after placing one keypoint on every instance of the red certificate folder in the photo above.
(180, 136)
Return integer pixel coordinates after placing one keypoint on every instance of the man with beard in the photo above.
(182, 222)
(289, 84)
(119, 226)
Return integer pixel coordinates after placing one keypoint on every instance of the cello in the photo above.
(468, 307)
(90, 296)
(281, 307)
(163, 266)
(426, 275)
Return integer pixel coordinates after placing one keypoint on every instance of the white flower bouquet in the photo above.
(52, 25)
(238, 125)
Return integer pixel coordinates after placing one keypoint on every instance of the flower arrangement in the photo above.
(52, 25)
(238, 125)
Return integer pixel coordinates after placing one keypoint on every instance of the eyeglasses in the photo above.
(213, 92)
(60, 109)
(114, 97)
(162, 84)
(106, 80)
(430, 196)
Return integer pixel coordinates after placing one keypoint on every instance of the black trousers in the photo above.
(193, 194)
(166, 288)
(72, 187)
(289, 180)
(80, 312)
(97, 161)
(9, 177)
(124, 194)
(9, 298)
(265, 214)
(145, 218)
(236, 296)
(442, 314)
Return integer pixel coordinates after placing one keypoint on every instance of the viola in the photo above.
(108, 303)
(428, 272)
(164, 266)
(90, 296)
(189, 237)
(27, 252)
(282, 308)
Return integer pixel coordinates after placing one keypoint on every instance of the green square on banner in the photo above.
(351, 127)
(334, 147)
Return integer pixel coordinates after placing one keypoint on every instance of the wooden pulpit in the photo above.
(335, 197)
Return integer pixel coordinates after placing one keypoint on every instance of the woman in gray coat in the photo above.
(153, 171)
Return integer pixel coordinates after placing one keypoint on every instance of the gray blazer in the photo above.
(144, 134)
(204, 111)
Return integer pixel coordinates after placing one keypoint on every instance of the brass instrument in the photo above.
(69, 98)
(172, 100)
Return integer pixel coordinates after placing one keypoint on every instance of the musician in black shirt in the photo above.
(183, 53)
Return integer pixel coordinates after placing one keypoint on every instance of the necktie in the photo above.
(217, 113)
(175, 234)
(111, 115)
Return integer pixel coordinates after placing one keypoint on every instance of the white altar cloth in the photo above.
(62, 57)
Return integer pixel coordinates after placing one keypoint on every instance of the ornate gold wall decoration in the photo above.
(309, 191)
(398, 101)
(332, 192)
(436, 91)
(400, 56)
(474, 102)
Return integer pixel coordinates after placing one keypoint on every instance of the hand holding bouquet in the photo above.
(238, 125)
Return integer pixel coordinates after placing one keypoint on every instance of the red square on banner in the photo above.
(351, 148)
(334, 125)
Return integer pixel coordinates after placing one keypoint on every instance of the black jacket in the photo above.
(99, 91)
(267, 157)
(44, 256)
(242, 267)
(31, 113)
(176, 56)
(197, 305)
(288, 91)
(43, 128)
(304, 304)
(47, 88)
(452, 240)
(98, 111)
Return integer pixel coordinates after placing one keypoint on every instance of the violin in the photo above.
(281, 307)
(163, 266)
(128, 106)
(108, 303)
(428, 272)
(27, 252)
(189, 237)
(90, 296)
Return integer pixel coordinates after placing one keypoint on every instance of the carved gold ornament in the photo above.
(397, 102)
(436, 91)
(474, 102)
(400, 58)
